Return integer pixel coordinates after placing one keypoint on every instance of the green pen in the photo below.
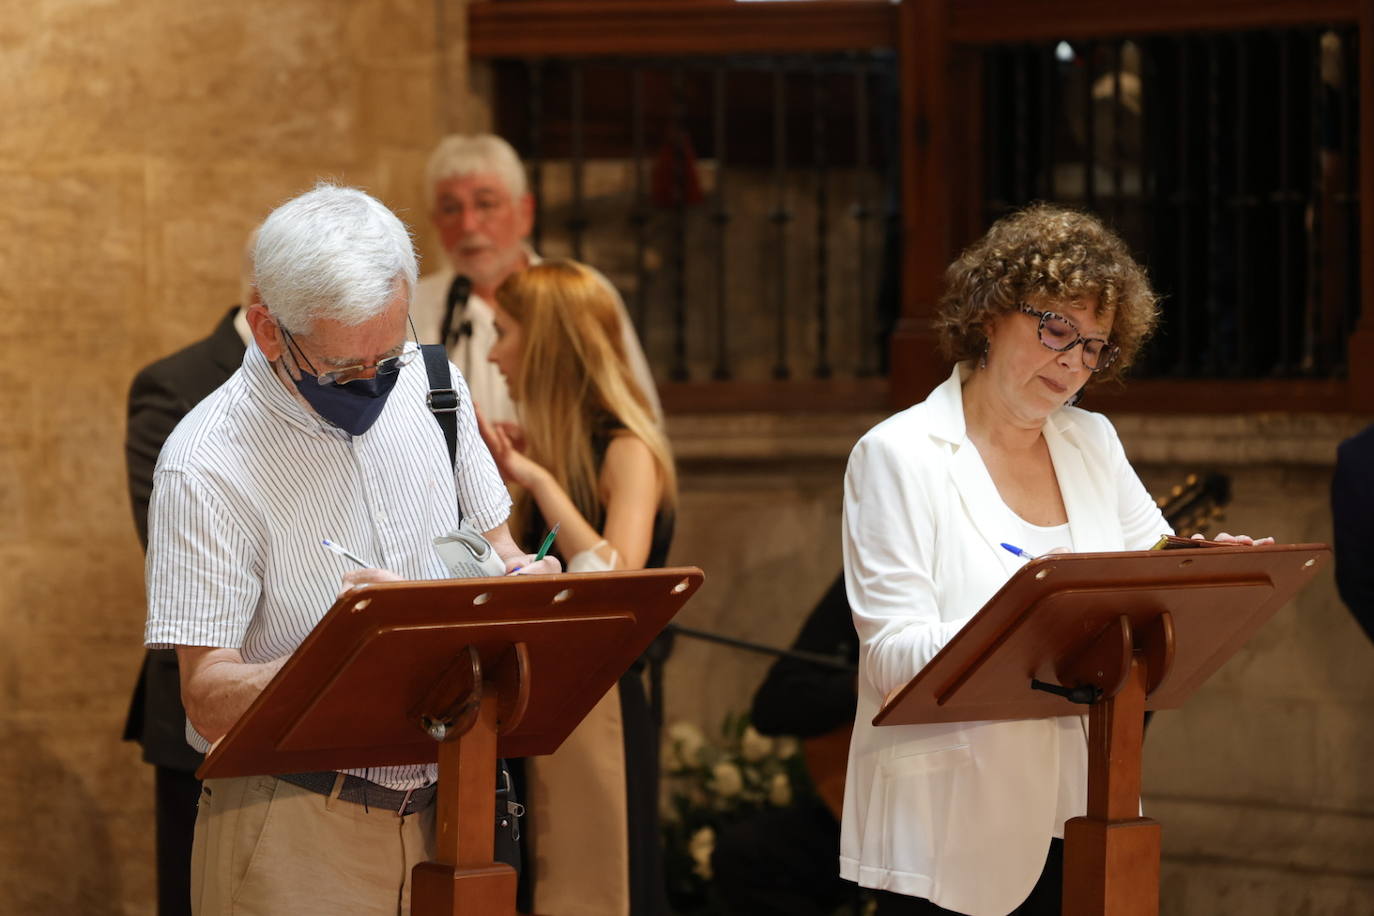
(548, 542)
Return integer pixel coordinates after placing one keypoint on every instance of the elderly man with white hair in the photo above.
(323, 431)
(482, 208)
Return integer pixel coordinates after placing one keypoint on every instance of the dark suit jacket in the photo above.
(1352, 519)
(161, 394)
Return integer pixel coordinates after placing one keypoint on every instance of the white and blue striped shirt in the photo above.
(251, 480)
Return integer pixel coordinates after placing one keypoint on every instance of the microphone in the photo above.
(458, 292)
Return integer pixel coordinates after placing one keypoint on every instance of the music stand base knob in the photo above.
(1111, 868)
(446, 890)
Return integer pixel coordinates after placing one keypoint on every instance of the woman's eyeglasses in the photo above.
(1059, 334)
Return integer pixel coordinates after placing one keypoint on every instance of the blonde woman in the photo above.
(590, 457)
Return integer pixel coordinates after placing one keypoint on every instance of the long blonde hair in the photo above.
(573, 373)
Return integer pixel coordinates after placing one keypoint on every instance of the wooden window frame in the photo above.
(583, 28)
(933, 38)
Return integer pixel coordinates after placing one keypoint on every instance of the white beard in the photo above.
(487, 272)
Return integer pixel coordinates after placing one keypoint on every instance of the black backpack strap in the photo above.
(442, 398)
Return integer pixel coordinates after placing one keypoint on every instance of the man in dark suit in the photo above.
(1352, 521)
(161, 394)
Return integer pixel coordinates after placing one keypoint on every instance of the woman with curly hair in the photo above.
(968, 817)
(590, 457)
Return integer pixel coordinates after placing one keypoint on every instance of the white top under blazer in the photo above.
(961, 813)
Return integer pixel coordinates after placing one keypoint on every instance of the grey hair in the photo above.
(460, 155)
(333, 253)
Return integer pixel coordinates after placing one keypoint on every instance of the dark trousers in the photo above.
(176, 793)
(785, 862)
(782, 862)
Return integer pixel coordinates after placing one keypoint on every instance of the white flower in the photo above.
(780, 790)
(686, 741)
(787, 746)
(701, 845)
(753, 746)
(726, 779)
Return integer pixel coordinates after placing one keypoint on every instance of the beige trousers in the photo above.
(580, 842)
(265, 847)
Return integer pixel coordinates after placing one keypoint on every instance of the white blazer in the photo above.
(960, 813)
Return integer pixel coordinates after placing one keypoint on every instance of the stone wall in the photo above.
(1262, 782)
(141, 143)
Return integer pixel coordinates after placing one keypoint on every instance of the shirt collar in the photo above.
(241, 325)
(267, 388)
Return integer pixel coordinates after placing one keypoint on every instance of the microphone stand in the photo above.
(458, 292)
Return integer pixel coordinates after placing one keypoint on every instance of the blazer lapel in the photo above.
(967, 471)
(983, 503)
(1089, 506)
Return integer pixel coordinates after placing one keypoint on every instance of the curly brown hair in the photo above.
(1063, 254)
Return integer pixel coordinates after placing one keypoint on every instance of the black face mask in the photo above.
(351, 406)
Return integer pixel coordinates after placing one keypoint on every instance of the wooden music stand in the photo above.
(1125, 632)
(457, 671)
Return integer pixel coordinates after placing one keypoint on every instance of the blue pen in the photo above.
(330, 545)
(1018, 551)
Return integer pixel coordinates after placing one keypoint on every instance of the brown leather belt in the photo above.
(364, 792)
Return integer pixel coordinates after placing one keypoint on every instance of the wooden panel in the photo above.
(581, 632)
(982, 21)
(1200, 396)
(968, 172)
(1222, 396)
(530, 28)
(924, 134)
(607, 111)
(802, 394)
(1053, 606)
(1360, 347)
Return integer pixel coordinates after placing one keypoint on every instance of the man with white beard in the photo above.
(481, 205)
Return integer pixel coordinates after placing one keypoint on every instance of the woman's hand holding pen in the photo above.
(1244, 539)
(1027, 555)
(515, 466)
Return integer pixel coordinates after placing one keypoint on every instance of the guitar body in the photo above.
(827, 759)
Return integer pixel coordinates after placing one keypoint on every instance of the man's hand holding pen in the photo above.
(530, 564)
(539, 564)
(548, 566)
(366, 577)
